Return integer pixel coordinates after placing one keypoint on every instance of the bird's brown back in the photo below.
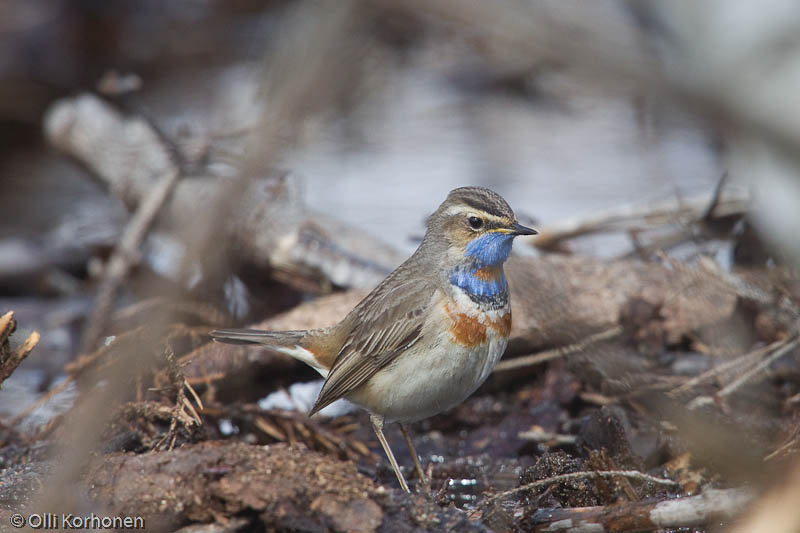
(385, 323)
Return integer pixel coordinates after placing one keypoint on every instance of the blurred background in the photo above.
(341, 126)
(565, 113)
(439, 106)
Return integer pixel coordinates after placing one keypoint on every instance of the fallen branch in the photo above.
(270, 226)
(125, 153)
(710, 506)
(569, 302)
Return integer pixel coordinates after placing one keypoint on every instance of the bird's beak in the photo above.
(519, 229)
(516, 229)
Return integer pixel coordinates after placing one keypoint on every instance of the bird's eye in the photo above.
(475, 222)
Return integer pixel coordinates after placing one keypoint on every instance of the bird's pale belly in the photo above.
(440, 372)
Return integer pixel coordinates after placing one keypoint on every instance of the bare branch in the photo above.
(640, 217)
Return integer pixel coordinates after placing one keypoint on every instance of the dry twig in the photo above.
(782, 349)
(538, 434)
(632, 474)
(641, 217)
(745, 360)
(9, 361)
(788, 346)
(183, 411)
(281, 425)
(43, 399)
(548, 355)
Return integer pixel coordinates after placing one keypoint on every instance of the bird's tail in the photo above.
(293, 343)
(273, 339)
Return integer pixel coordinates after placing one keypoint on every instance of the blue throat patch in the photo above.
(488, 250)
(465, 278)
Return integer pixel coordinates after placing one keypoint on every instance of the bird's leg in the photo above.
(414, 456)
(377, 425)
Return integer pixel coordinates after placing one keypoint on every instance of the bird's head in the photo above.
(477, 225)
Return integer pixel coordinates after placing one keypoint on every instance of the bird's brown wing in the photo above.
(387, 323)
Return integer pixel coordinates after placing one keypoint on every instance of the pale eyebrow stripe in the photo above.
(456, 209)
(463, 209)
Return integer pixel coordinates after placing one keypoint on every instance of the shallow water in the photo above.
(549, 162)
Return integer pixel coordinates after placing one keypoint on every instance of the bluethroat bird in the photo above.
(428, 335)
